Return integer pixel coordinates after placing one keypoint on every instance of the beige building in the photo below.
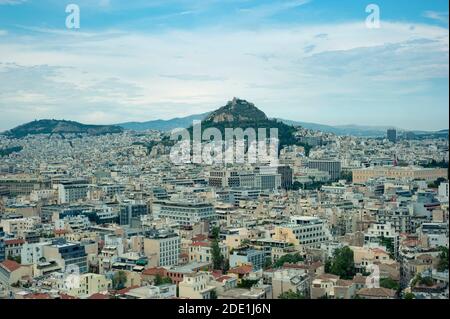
(285, 234)
(233, 241)
(365, 257)
(294, 279)
(87, 284)
(376, 293)
(196, 286)
(201, 251)
(395, 172)
(331, 286)
(11, 272)
(162, 249)
(13, 226)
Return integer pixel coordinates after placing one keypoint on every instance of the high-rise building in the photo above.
(2, 244)
(332, 167)
(69, 256)
(286, 176)
(130, 212)
(392, 135)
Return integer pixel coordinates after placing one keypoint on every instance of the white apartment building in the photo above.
(73, 223)
(184, 213)
(162, 248)
(263, 178)
(379, 232)
(31, 253)
(72, 192)
(310, 231)
(153, 292)
(443, 192)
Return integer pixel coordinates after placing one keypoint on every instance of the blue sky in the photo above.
(313, 61)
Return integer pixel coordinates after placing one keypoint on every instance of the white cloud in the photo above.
(439, 16)
(116, 77)
(267, 10)
(12, 2)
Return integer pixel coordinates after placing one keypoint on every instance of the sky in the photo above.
(305, 60)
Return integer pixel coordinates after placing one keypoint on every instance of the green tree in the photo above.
(268, 263)
(289, 258)
(347, 175)
(119, 279)
(388, 243)
(343, 264)
(416, 280)
(247, 283)
(213, 294)
(443, 259)
(409, 295)
(291, 295)
(217, 257)
(328, 264)
(426, 281)
(159, 280)
(389, 283)
(17, 259)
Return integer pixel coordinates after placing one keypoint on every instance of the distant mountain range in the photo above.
(163, 125)
(60, 127)
(235, 111)
(360, 130)
(342, 130)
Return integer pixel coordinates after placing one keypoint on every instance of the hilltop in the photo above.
(237, 110)
(60, 127)
(239, 113)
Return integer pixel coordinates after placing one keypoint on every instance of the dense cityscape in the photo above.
(110, 216)
(218, 158)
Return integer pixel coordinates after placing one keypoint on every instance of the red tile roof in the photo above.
(64, 296)
(199, 237)
(223, 278)
(201, 243)
(217, 273)
(294, 266)
(241, 270)
(154, 271)
(379, 251)
(10, 265)
(38, 296)
(125, 290)
(98, 296)
(377, 292)
(14, 241)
